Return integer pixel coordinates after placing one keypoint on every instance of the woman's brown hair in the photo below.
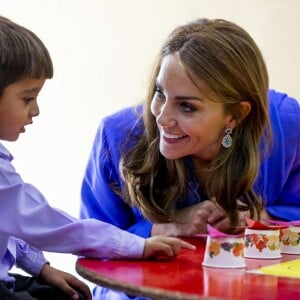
(226, 57)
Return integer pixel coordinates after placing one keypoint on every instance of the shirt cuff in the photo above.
(28, 258)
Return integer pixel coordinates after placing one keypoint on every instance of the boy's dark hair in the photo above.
(22, 54)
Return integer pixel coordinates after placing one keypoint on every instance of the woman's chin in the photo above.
(171, 156)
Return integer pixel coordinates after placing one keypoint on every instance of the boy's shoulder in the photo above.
(4, 153)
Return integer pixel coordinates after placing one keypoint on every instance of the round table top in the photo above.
(184, 277)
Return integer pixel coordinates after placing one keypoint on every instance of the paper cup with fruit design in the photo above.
(290, 240)
(262, 244)
(223, 251)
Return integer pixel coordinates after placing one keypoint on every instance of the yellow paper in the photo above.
(288, 269)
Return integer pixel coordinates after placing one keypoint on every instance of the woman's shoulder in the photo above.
(283, 102)
(120, 124)
(126, 116)
(284, 110)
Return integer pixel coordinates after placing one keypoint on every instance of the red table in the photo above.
(185, 278)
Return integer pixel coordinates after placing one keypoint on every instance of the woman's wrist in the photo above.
(168, 229)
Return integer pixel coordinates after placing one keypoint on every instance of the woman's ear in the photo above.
(241, 111)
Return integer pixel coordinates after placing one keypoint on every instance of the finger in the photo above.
(171, 246)
(187, 245)
(243, 215)
(208, 205)
(222, 225)
(80, 286)
(199, 227)
(216, 216)
(68, 290)
(200, 224)
(203, 214)
(176, 244)
(73, 285)
(164, 249)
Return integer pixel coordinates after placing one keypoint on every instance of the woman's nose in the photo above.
(165, 117)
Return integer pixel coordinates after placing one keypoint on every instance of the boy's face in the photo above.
(18, 105)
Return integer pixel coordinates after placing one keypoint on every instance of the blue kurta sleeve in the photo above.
(279, 180)
(102, 176)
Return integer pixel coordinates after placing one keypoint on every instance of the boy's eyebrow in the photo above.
(32, 90)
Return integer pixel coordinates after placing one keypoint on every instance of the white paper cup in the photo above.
(290, 240)
(262, 244)
(224, 252)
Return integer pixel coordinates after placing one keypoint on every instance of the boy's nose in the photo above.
(35, 111)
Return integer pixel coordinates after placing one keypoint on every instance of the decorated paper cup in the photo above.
(290, 240)
(262, 244)
(224, 252)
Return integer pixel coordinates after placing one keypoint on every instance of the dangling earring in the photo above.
(227, 139)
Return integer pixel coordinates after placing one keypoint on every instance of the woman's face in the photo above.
(190, 122)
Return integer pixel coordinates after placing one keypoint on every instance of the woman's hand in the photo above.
(221, 221)
(194, 219)
(65, 282)
(191, 220)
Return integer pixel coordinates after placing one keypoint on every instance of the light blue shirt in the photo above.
(25, 215)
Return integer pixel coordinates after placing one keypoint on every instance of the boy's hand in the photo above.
(164, 246)
(65, 282)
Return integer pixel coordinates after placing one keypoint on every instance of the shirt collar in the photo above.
(4, 153)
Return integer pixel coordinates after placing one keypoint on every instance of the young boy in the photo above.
(28, 223)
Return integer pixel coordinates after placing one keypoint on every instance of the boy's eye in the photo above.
(28, 99)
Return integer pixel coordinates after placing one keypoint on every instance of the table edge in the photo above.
(154, 293)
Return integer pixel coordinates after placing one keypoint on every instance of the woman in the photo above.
(200, 150)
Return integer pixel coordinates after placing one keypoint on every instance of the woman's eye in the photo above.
(159, 94)
(187, 107)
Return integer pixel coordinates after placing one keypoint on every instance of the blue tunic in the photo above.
(278, 180)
